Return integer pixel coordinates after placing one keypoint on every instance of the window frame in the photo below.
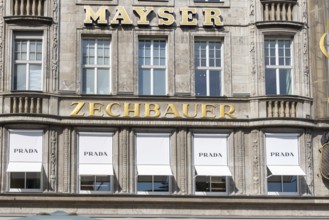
(28, 36)
(170, 177)
(94, 185)
(95, 67)
(152, 67)
(208, 68)
(277, 67)
(281, 193)
(25, 180)
(152, 182)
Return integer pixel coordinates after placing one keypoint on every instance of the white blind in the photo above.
(210, 149)
(153, 149)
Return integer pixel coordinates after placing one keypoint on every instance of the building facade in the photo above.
(195, 108)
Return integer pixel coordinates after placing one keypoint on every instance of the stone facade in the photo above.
(244, 110)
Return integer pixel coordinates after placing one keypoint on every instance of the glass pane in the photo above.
(285, 82)
(103, 183)
(35, 80)
(103, 79)
(20, 77)
(17, 180)
(159, 83)
(200, 83)
(33, 181)
(289, 184)
(144, 183)
(87, 183)
(144, 82)
(214, 82)
(88, 81)
(270, 81)
(202, 184)
(161, 183)
(218, 184)
(274, 184)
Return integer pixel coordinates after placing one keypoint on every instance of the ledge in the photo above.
(280, 24)
(28, 20)
(279, 1)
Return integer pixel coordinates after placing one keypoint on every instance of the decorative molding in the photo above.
(53, 161)
(1, 43)
(309, 162)
(123, 150)
(55, 49)
(66, 161)
(305, 48)
(181, 144)
(255, 162)
(239, 152)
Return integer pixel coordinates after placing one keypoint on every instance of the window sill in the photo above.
(280, 24)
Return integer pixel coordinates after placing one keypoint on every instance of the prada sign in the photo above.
(166, 16)
(152, 110)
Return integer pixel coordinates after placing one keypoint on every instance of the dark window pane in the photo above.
(274, 184)
(33, 181)
(17, 180)
(285, 82)
(215, 83)
(218, 184)
(202, 184)
(144, 183)
(200, 83)
(87, 183)
(270, 81)
(289, 184)
(103, 183)
(161, 183)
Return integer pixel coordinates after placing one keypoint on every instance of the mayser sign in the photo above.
(166, 16)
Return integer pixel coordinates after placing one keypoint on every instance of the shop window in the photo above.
(95, 162)
(283, 169)
(96, 66)
(28, 62)
(153, 163)
(152, 67)
(25, 160)
(210, 163)
(208, 68)
(278, 67)
(153, 184)
(95, 183)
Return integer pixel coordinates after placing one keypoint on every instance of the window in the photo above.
(28, 59)
(282, 158)
(96, 66)
(25, 160)
(152, 67)
(153, 163)
(278, 67)
(95, 162)
(210, 163)
(208, 68)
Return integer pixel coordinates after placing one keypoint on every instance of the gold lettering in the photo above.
(95, 106)
(205, 110)
(212, 16)
(77, 109)
(143, 13)
(229, 113)
(186, 111)
(152, 108)
(121, 14)
(171, 110)
(187, 17)
(128, 110)
(109, 109)
(166, 16)
(99, 17)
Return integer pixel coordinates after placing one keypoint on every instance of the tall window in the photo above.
(28, 62)
(95, 162)
(278, 67)
(152, 67)
(282, 158)
(96, 66)
(208, 68)
(153, 163)
(25, 160)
